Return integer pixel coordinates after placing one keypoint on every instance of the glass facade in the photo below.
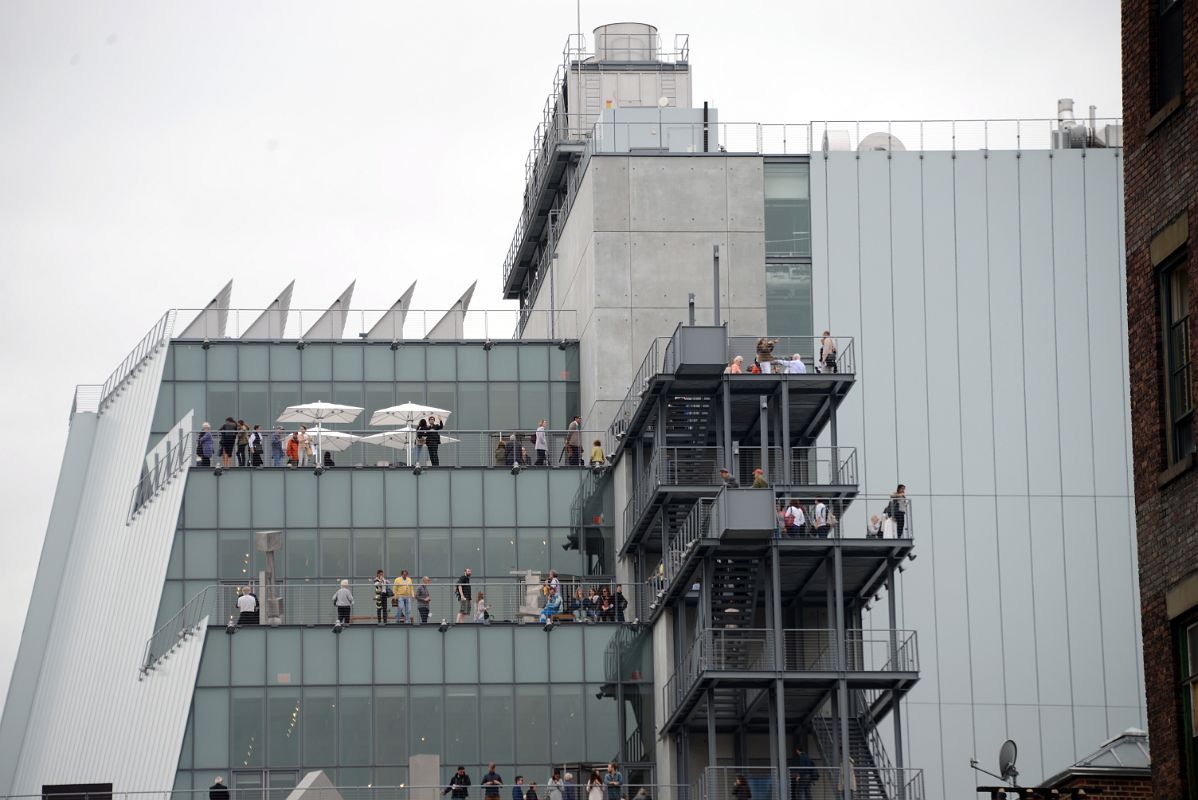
(788, 295)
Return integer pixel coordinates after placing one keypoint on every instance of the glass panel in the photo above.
(390, 658)
(533, 655)
(467, 550)
(461, 655)
(300, 546)
(788, 301)
(248, 657)
(409, 362)
(164, 409)
(532, 499)
(320, 660)
(442, 364)
(467, 487)
(378, 396)
(562, 486)
(379, 363)
(401, 497)
(558, 407)
(246, 744)
(409, 393)
(316, 363)
(174, 567)
(334, 498)
(253, 362)
(534, 362)
(472, 407)
(368, 553)
(495, 652)
(390, 724)
(283, 657)
(234, 556)
(596, 639)
(504, 401)
(334, 555)
(368, 499)
(234, 508)
(461, 723)
(284, 364)
(532, 723)
(567, 562)
(496, 714)
(567, 732)
(561, 365)
(444, 395)
(499, 497)
(787, 209)
(282, 727)
(283, 395)
(189, 362)
(401, 552)
(193, 397)
(254, 404)
(222, 362)
(472, 364)
(347, 362)
(501, 362)
(355, 654)
(356, 725)
(500, 551)
(210, 710)
(534, 404)
(222, 403)
(319, 714)
(214, 664)
(532, 548)
(434, 497)
(301, 500)
(426, 705)
(565, 657)
(427, 664)
(200, 554)
(603, 724)
(269, 509)
(434, 553)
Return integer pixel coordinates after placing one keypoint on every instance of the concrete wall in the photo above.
(985, 295)
(637, 241)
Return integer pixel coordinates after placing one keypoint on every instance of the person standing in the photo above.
(827, 352)
(613, 781)
(492, 782)
(594, 786)
(554, 789)
(382, 593)
(462, 591)
(403, 598)
(597, 457)
(541, 443)
(433, 440)
(727, 479)
(277, 453)
(481, 614)
(218, 790)
(256, 446)
(247, 606)
(458, 787)
(803, 775)
(518, 788)
(621, 603)
(343, 599)
(421, 434)
(794, 518)
(423, 600)
(897, 509)
(305, 446)
(571, 791)
(736, 366)
(205, 446)
(759, 481)
(228, 438)
(819, 518)
(293, 449)
(740, 789)
(573, 448)
(243, 443)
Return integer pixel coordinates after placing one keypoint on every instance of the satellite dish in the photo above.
(1006, 760)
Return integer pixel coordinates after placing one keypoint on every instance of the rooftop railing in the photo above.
(173, 460)
(818, 782)
(157, 336)
(386, 325)
(629, 791)
(346, 448)
(794, 355)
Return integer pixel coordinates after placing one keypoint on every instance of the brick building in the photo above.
(1160, 87)
(1119, 769)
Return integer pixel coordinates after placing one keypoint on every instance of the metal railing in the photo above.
(672, 466)
(809, 466)
(177, 456)
(817, 782)
(696, 526)
(240, 791)
(184, 624)
(777, 354)
(859, 517)
(521, 598)
(389, 326)
(87, 399)
(659, 359)
(157, 336)
(564, 448)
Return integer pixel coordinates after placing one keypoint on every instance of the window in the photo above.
(1188, 652)
(1168, 66)
(1175, 330)
(787, 209)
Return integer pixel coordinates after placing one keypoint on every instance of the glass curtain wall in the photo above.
(788, 294)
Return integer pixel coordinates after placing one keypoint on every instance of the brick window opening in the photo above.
(1169, 62)
(1178, 389)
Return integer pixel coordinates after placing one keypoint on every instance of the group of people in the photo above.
(608, 786)
(597, 604)
(235, 438)
(513, 449)
(765, 362)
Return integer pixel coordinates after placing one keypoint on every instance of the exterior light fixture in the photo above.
(416, 470)
(337, 626)
(394, 344)
(516, 468)
(548, 627)
(562, 345)
(318, 471)
(487, 345)
(444, 626)
(217, 470)
(231, 628)
(300, 345)
(206, 344)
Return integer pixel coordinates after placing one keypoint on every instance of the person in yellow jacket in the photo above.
(403, 595)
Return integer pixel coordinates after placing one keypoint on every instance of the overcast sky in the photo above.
(150, 151)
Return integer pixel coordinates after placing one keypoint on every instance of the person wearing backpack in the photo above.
(794, 519)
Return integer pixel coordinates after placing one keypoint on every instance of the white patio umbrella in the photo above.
(318, 413)
(406, 414)
(401, 439)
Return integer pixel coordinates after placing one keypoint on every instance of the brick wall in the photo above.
(1161, 180)
(1114, 788)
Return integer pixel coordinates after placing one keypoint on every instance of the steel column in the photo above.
(764, 403)
(842, 685)
(784, 432)
(729, 461)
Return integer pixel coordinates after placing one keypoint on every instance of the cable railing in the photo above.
(658, 360)
(180, 627)
(821, 466)
(522, 598)
(173, 460)
(385, 325)
(576, 788)
(857, 517)
(816, 782)
(696, 526)
(157, 336)
(672, 466)
(342, 448)
(793, 355)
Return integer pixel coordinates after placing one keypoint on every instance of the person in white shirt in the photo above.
(798, 519)
(796, 366)
(247, 604)
(343, 599)
(541, 443)
(819, 516)
(553, 789)
(874, 529)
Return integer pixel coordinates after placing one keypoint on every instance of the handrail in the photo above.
(658, 360)
(158, 335)
(177, 629)
(177, 457)
(87, 399)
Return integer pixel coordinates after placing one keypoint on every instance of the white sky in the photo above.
(149, 151)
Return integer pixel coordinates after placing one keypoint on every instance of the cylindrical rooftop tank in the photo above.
(626, 41)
